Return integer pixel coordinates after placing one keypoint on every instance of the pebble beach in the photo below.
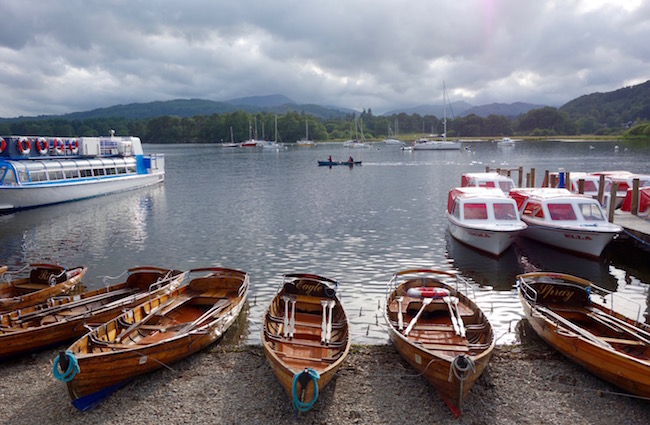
(232, 383)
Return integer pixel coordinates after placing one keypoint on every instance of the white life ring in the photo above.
(74, 146)
(427, 292)
(24, 146)
(57, 146)
(41, 145)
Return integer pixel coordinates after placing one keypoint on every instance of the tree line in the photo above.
(292, 126)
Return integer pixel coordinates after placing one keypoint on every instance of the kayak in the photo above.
(330, 163)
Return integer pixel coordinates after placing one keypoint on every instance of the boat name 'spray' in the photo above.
(551, 291)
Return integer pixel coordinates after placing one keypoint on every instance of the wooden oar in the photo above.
(330, 306)
(323, 326)
(425, 302)
(285, 324)
(400, 316)
(152, 313)
(454, 321)
(572, 326)
(461, 325)
(292, 320)
(622, 325)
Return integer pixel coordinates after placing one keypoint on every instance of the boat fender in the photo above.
(57, 145)
(67, 363)
(24, 146)
(74, 146)
(303, 379)
(41, 145)
(3, 145)
(427, 292)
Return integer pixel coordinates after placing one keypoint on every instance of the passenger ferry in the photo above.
(37, 171)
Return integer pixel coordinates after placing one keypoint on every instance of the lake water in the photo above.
(275, 212)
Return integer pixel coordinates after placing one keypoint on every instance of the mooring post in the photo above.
(634, 208)
(612, 202)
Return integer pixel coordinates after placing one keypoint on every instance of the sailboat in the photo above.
(232, 143)
(306, 141)
(355, 143)
(392, 138)
(268, 144)
(251, 142)
(444, 144)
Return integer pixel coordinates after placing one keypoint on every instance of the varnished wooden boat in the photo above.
(305, 335)
(607, 343)
(43, 282)
(154, 334)
(439, 331)
(65, 318)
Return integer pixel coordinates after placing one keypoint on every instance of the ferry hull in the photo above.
(493, 242)
(584, 242)
(23, 197)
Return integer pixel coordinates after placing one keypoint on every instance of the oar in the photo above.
(461, 325)
(454, 321)
(425, 302)
(292, 320)
(323, 326)
(400, 316)
(330, 305)
(285, 298)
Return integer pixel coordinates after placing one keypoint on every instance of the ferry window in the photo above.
(504, 211)
(71, 174)
(86, 172)
(561, 212)
(455, 210)
(38, 176)
(475, 212)
(506, 186)
(121, 170)
(591, 212)
(130, 169)
(55, 174)
(9, 177)
(486, 184)
(98, 172)
(533, 209)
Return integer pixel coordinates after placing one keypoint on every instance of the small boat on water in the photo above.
(488, 179)
(332, 163)
(305, 335)
(37, 171)
(439, 331)
(483, 218)
(43, 281)
(424, 144)
(566, 220)
(67, 317)
(610, 345)
(154, 334)
(506, 141)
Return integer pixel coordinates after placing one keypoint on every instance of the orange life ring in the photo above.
(24, 146)
(41, 145)
(3, 145)
(57, 146)
(427, 292)
(74, 146)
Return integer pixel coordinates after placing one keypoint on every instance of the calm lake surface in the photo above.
(276, 212)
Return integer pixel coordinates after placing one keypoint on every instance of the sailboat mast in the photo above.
(444, 111)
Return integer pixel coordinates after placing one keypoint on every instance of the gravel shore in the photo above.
(231, 383)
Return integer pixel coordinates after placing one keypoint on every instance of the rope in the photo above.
(71, 371)
(297, 404)
(635, 238)
(460, 367)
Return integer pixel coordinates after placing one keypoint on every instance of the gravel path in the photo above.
(232, 384)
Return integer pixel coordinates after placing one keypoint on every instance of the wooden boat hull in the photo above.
(622, 361)
(106, 362)
(450, 362)
(45, 281)
(42, 326)
(289, 357)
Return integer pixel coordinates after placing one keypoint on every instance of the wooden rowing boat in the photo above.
(305, 335)
(65, 318)
(154, 334)
(608, 344)
(43, 282)
(439, 331)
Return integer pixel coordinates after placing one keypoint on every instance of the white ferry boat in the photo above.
(37, 171)
(565, 220)
(488, 179)
(483, 218)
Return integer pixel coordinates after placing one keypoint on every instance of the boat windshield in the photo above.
(475, 211)
(591, 212)
(505, 211)
(561, 211)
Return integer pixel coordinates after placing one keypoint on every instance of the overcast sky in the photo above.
(76, 55)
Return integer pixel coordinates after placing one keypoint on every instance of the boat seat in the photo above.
(302, 342)
(444, 347)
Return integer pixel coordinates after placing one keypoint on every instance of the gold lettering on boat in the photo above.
(546, 291)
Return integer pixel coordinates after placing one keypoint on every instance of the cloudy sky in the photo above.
(75, 55)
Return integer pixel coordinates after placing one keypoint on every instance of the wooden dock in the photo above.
(635, 226)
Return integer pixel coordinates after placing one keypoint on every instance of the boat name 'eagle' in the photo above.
(546, 291)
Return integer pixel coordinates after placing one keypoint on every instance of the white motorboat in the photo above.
(488, 179)
(565, 220)
(484, 218)
(424, 144)
(506, 141)
(37, 171)
(624, 181)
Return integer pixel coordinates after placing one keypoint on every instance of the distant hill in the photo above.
(614, 108)
(262, 101)
(462, 109)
